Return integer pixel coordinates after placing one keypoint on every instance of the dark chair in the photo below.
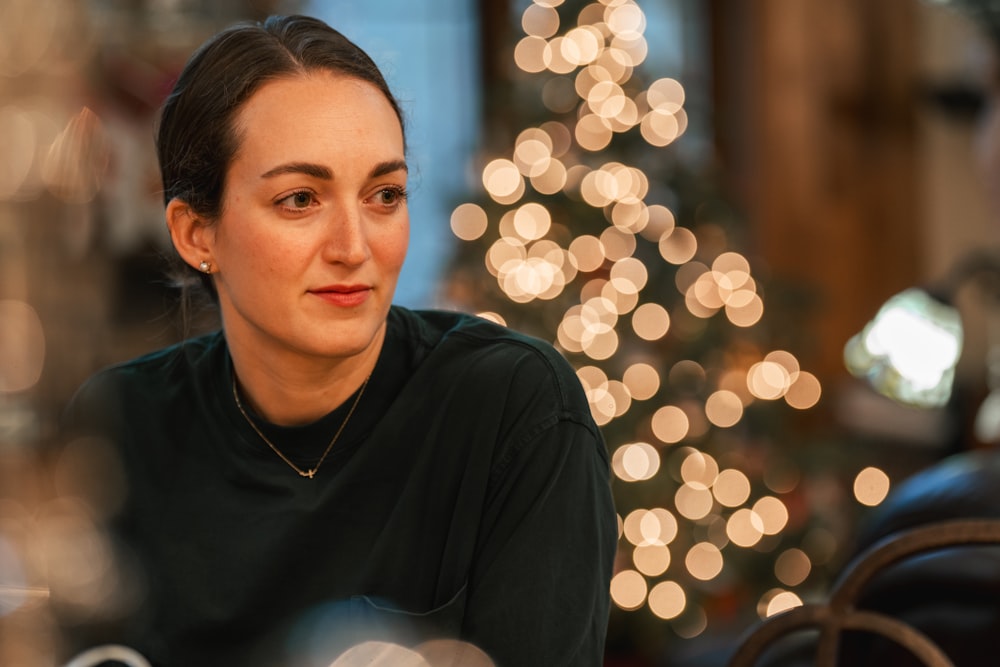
(869, 602)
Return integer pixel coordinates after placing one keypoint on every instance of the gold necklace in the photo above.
(312, 471)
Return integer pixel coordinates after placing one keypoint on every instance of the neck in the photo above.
(290, 389)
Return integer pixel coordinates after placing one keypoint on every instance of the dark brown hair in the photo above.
(197, 138)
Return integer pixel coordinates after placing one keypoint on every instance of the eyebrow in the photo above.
(383, 168)
(307, 168)
(322, 172)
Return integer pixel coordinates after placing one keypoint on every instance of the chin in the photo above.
(338, 342)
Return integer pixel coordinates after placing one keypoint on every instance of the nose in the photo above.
(346, 239)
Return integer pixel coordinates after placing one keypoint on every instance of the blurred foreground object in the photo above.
(909, 351)
(77, 159)
(101, 654)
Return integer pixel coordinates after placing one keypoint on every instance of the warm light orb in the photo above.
(628, 589)
(666, 94)
(469, 222)
(22, 346)
(492, 317)
(772, 513)
(501, 178)
(631, 215)
(629, 275)
(651, 321)
(667, 600)
(529, 54)
(679, 246)
(617, 244)
(635, 462)
(724, 408)
(540, 21)
(670, 424)
(699, 469)
(651, 559)
(554, 56)
(693, 502)
(659, 128)
(586, 253)
(768, 380)
(744, 308)
(731, 488)
(776, 601)
(625, 20)
(704, 561)
(642, 381)
(871, 486)
(504, 254)
(593, 134)
(792, 567)
(583, 45)
(532, 221)
(805, 392)
(650, 527)
(533, 152)
(744, 528)
(661, 223)
(552, 179)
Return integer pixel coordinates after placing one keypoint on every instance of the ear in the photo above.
(191, 236)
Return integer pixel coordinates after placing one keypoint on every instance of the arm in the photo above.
(539, 590)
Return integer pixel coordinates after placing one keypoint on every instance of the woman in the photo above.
(329, 468)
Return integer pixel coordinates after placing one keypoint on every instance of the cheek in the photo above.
(393, 245)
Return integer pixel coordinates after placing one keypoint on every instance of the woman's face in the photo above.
(315, 226)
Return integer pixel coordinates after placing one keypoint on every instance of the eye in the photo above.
(300, 200)
(390, 197)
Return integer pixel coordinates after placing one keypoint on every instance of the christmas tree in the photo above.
(593, 230)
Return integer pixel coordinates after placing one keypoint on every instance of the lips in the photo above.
(344, 296)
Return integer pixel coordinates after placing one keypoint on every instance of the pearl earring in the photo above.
(205, 267)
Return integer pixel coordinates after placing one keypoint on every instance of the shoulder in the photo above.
(494, 356)
(115, 388)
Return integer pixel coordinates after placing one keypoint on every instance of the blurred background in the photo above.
(700, 202)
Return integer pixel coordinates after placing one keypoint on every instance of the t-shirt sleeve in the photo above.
(539, 589)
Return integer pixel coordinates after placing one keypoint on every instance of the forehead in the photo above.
(318, 111)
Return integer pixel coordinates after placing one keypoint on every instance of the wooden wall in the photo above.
(815, 121)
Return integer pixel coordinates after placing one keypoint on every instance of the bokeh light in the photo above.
(871, 486)
(704, 561)
(792, 567)
(22, 346)
(469, 221)
(667, 599)
(776, 601)
(628, 589)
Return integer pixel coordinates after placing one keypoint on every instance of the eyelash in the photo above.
(297, 193)
(400, 193)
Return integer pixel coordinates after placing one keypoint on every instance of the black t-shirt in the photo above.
(467, 497)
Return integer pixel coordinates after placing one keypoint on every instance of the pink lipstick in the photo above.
(344, 296)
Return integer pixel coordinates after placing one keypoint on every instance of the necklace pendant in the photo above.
(308, 473)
